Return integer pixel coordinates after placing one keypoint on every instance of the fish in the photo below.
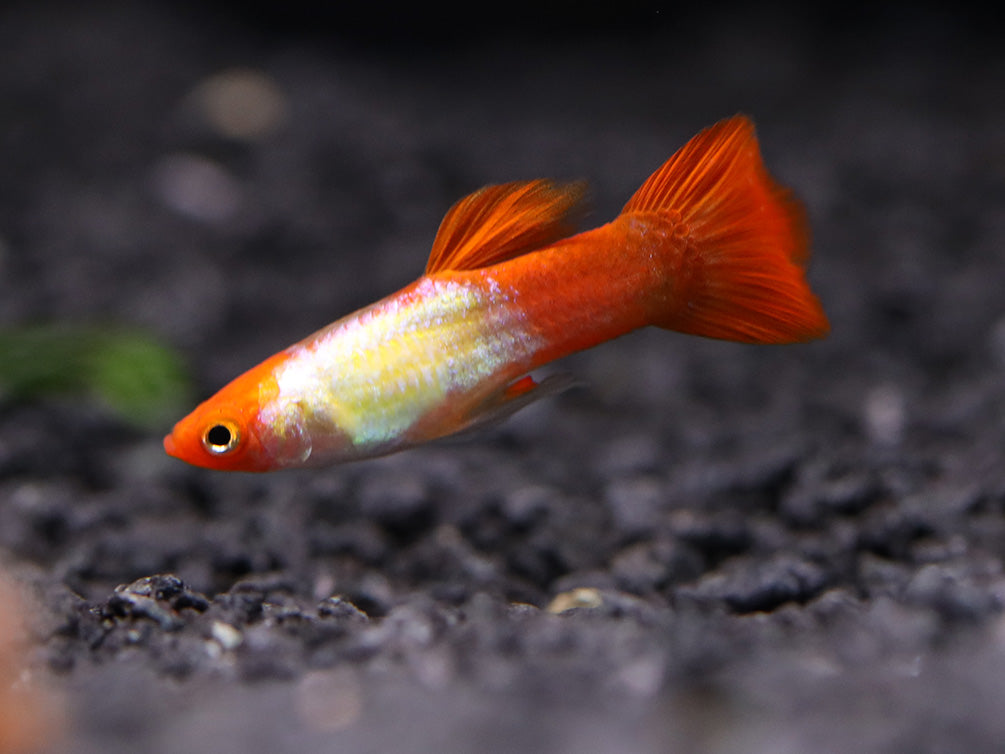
(709, 245)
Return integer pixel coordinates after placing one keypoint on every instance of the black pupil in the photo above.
(219, 436)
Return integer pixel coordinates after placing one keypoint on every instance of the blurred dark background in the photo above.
(708, 547)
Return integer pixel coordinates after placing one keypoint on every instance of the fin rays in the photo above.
(500, 222)
(748, 241)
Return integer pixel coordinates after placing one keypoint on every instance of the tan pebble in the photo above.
(583, 597)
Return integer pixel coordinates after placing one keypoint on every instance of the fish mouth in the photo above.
(169, 446)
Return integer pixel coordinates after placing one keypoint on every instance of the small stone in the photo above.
(649, 566)
(635, 503)
(525, 505)
(197, 187)
(340, 609)
(583, 597)
(400, 502)
(241, 103)
(884, 414)
(224, 634)
(748, 586)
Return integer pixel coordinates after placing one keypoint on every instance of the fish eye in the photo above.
(221, 438)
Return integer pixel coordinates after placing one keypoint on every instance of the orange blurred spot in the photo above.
(27, 712)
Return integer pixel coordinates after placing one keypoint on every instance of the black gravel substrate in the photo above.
(706, 548)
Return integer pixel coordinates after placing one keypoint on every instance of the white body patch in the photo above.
(370, 377)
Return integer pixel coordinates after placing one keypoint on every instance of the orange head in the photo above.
(241, 428)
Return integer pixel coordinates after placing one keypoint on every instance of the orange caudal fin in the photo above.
(741, 242)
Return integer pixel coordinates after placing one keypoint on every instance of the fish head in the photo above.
(243, 427)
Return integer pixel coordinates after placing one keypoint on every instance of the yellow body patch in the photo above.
(374, 375)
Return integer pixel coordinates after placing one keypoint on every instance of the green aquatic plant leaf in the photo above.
(140, 379)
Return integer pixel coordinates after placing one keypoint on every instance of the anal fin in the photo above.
(515, 396)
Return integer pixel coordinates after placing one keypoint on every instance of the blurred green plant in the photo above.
(140, 379)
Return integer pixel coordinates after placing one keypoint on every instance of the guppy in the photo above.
(709, 245)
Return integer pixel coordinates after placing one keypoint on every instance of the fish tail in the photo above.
(733, 243)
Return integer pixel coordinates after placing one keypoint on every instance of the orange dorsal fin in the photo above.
(498, 223)
(745, 241)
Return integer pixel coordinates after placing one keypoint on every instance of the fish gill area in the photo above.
(704, 547)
